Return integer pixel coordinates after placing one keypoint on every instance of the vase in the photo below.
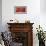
(41, 43)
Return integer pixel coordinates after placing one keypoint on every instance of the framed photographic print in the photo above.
(20, 10)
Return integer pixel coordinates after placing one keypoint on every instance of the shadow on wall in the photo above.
(43, 6)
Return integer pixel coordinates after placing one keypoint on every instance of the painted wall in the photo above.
(34, 14)
(43, 14)
(33, 11)
(43, 6)
(0, 15)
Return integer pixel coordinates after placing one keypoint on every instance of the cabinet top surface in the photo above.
(19, 23)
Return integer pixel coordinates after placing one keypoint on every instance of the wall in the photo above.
(43, 14)
(43, 6)
(33, 10)
(34, 14)
(0, 15)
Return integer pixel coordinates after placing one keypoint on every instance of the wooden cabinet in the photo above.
(22, 33)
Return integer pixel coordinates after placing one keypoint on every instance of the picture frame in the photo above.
(20, 10)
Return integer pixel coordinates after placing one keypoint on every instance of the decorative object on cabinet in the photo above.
(27, 21)
(20, 9)
(22, 33)
(13, 21)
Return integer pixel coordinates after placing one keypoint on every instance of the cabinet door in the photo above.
(24, 38)
(20, 37)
